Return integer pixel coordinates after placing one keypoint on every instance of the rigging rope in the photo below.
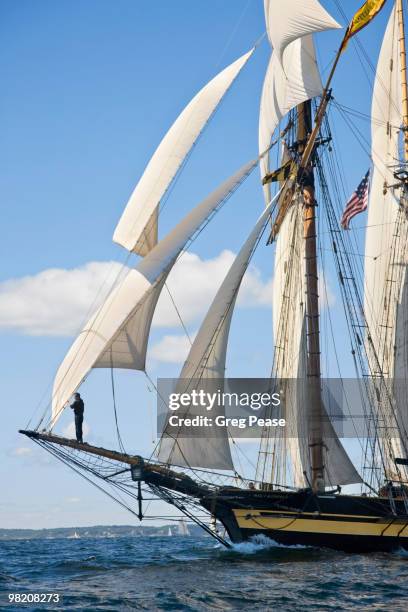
(233, 32)
(178, 314)
(119, 437)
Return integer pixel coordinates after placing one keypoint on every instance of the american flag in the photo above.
(357, 203)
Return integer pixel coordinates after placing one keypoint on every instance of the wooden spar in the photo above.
(154, 473)
(93, 450)
(312, 304)
(403, 65)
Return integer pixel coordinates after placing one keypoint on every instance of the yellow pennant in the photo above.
(364, 15)
(281, 174)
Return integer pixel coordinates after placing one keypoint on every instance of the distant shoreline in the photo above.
(98, 531)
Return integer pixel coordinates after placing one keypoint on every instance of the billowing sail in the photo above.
(383, 203)
(288, 20)
(117, 334)
(386, 241)
(206, 363)
(292, 75)
(289, 315)
(284, 87)
(137, 227)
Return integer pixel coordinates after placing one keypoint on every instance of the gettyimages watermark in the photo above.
(248, 407)
(202, 408)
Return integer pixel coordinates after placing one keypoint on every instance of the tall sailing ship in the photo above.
(294, 496)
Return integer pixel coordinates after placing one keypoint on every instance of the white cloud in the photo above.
(170, 349)
(21, 451)
(194, 282)
(72, 500)
(57, 302)
(30, 455)
(254, 291)
(327, 296)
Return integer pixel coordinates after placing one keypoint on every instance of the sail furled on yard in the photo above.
(137, 229)
(117, 334)
(386, 243)
(290, 363)
(205, 365)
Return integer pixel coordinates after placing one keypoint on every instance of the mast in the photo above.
(304, 178)
(312, 299)
(403, 63)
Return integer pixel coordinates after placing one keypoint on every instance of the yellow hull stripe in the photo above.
(290, 512)
(254, 520)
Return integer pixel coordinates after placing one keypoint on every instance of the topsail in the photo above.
(292, 75)
(289, 20)
(284, 87)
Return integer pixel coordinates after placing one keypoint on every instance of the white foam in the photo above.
(260, 542)
(401, 552)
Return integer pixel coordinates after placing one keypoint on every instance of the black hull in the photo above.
(344, 543)
(342, 522)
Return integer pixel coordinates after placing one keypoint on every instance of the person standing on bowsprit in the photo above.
(78, 407)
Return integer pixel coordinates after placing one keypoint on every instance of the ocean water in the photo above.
(184, 573)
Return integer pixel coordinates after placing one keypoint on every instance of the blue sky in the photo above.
(89, 89)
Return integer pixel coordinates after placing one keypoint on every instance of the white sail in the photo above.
(295, 80)
(137, 227)
(401, 361)
(380, 297)
(289, 316)
(117, 334)
(292, 75)
(287, 20)
(128, 348)
(206, 364)
(182, 528)
(386, 238)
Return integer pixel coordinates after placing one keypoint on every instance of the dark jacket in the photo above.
(78, 407)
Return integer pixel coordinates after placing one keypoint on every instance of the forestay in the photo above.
(118, 332)
(206, 364)
(137, 228)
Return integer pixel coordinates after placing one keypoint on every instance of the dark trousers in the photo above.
(79, 419)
